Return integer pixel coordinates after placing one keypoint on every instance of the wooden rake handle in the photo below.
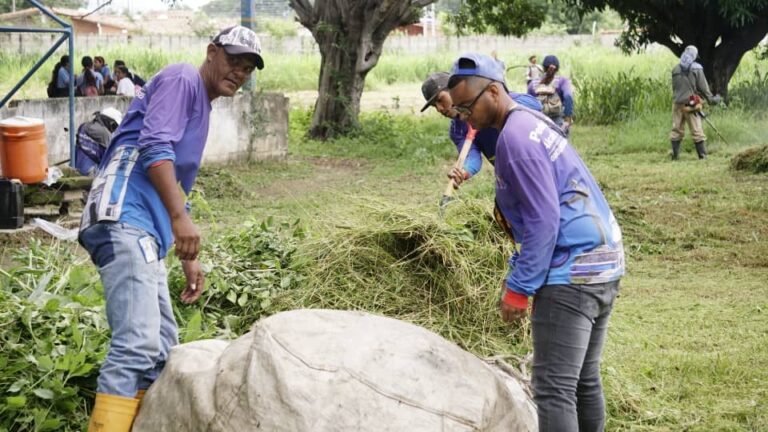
(468, 140)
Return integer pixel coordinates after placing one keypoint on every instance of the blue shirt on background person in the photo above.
(485, 141)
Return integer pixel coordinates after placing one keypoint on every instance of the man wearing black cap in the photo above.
(555, 93)
(435, 91)
(136, 212)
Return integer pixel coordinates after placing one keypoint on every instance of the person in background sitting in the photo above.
(59, 85)
(139, 81)
(100, 66)
(125, 87)
(90, 83)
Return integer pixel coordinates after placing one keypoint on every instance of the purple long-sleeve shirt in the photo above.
(167, 120)
(566, 230)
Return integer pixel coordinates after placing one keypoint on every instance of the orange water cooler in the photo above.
(23, 149)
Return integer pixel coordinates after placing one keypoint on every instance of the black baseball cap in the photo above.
(433, 85)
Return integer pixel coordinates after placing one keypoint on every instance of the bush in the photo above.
(752, 93)
(413, 142)
(611, 99)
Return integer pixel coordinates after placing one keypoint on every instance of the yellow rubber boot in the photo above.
(113, 413)
(140, 395)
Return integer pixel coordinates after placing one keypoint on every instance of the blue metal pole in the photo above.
(71, 95)
(248, 20)
(29, 30)
(32, 71)
(47, 12)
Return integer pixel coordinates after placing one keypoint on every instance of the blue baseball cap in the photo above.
(474, 64)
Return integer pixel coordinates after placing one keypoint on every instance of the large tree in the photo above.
(350, 35)
(722, 30)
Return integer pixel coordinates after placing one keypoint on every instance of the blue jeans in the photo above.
(569, 328)
(138, 306)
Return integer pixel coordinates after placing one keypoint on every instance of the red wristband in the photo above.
(516, 300)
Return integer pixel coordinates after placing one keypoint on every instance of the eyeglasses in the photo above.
(466, 110)
(240, 62)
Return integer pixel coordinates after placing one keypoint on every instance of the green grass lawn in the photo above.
(687, 343)
(687, 347)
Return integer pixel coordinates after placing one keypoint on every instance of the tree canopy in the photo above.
(722, 30)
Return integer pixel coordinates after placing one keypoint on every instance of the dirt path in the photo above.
(398, 97)
(327, 173)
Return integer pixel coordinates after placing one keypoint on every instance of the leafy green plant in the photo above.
(54, 332)
(54, 336)
(245, 270)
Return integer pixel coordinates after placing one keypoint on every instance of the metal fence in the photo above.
(305, 44)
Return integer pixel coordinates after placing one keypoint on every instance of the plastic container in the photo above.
(11, 204)
(23, 150)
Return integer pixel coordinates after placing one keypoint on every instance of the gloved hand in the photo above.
(513, 306)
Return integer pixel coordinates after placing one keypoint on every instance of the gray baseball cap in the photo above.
(433, 85)
(239, 40)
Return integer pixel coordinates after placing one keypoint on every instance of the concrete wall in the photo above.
(245, 127)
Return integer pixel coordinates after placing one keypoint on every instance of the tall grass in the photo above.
(614, 98)
(610, 87)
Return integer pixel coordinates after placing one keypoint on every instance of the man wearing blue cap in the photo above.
(136, 212)
(555, 93)
(570, 256)
(435, 92)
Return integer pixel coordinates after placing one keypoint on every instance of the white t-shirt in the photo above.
(126, 88)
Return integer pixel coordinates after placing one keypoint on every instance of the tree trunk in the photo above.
(339, 90)
(719, 71)
(350, 35)
(720, 62)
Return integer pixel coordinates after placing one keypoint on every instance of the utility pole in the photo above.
(13, 5)
(248, 20)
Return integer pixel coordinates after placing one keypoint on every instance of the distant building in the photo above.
(82, 24)
(167, 22)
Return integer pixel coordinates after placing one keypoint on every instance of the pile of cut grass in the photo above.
(442, 274)
(753, 160)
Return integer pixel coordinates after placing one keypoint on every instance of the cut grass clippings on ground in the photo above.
(754, 160)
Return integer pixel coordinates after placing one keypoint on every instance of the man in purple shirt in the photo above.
(570, 257)
(136, 211)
